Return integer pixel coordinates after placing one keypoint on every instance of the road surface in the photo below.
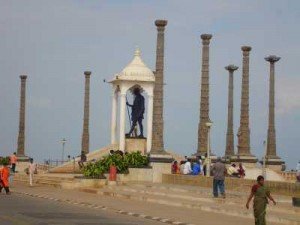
(18, 209)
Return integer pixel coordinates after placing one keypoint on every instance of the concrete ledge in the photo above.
(84, 183)
(284, 188)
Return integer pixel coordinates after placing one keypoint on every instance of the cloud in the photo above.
(288, 95)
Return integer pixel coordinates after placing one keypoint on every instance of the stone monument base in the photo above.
(163, 157)
(275, 163)
(23, 158)
(21, 166)
(246, 160)
(136, 144)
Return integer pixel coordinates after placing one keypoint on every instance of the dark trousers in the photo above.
(218, 185)
(6, 188)
(204, 170)
(13, 167)
(140, 122)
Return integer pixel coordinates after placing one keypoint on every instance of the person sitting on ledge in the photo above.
(232, 171)
(175, 168)
(196, 168)
(241, 171)
(187, 170)
(181, 167)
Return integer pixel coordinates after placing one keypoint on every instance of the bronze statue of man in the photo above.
(137, 112)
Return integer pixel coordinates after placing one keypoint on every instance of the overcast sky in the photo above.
(54, 42)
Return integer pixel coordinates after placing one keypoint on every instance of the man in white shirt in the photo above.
(31, 169)
(187, 167)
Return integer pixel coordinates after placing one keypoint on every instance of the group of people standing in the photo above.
(8, 169)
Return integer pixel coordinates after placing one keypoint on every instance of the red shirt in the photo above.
(13, 159)
(254, 188)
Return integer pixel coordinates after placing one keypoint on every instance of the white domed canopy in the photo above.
(135, 74)
(136, 70)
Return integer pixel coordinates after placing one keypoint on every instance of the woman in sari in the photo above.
(261, 195)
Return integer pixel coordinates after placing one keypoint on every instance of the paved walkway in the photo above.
(150, 211)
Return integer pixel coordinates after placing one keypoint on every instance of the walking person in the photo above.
(4, 176)
(261, 195)
(31, 171)
(13, 162)
(219, 171)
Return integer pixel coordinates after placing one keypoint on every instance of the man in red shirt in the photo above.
(13, 162)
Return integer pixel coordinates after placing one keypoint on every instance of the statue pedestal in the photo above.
(136, 144)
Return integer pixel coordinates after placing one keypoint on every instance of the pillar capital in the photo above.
(206, 38)
(23, 77)
(87, 73)
(246, 50)
(161, 23)
(272, 58)
(231, 68)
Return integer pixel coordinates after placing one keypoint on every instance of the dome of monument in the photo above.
(136, 70)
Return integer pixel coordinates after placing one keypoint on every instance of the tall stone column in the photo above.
(86, 115)
(229, 151)
(21, 136)
(158, 97)
(271, 143)
(244, 130)
(204, 99)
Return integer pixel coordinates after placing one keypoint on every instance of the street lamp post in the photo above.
(208, 125)
(264, 172)
(63, 141)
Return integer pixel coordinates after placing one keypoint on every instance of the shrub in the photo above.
(136, 160)
(4, 160)
(122, 163)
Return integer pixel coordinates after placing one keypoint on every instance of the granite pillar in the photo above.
(229, 151)
(86, 114)
(204, 98)
(271, 141)
(244, 129)
(158, 101)
(21, 136)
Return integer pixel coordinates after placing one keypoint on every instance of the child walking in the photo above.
(4, 176)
